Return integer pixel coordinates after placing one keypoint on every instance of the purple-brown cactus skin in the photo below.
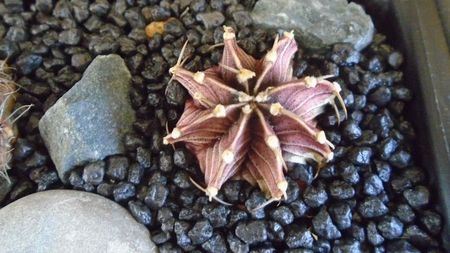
(248, 117)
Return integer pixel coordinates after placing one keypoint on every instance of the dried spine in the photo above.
(8, 117)
(248, 116)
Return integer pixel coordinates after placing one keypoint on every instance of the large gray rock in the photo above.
(89, 122)
(71, 222)
(318, 23)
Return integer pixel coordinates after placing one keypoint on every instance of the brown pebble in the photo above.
(154, 28)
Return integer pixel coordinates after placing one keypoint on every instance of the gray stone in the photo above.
(318, 23)
(70, 221)
(5, 187)
(89, 122)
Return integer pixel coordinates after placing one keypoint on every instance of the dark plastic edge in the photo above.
(444, 11)
(428, 72)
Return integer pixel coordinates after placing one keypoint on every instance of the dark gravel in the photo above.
(299, 237)
(373, 196)
(324, 227)
(140, 211)
(200, 232)
(93, 173)
(251, 232)
(117, 167)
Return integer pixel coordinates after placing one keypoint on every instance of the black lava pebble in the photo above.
(27, 63)
(216, 215)
(372, 207)
(70, 37)
(215, 244)
(432, 221)
(200, 232)
(342, 215)
(400, 159)
(298, 208)
(373, 185)
(135, 173)
(417, 197)
(181, 180)
(298, 236)
(342, 246)
(124, 191)
(144, 157)
(341, 190)
(156, 195)
(275, 231)
(105, 189)
(140, 212)
(22, 149)
(165, 161)
(44, 178)
(390, 227)
(236, 245)
(175, 94)
(315, 196)
(255, 200)
(44, 6)
(76, 180)
(251, 232)
(418, 237)
(283, 215)
(166, 219)
(401, 246)
(93, 173)
(360, 156)
(236, 216)
(182, 158)
(373, 235)
(345, 54)
(117, 167)
(351, 130)
(395, 59)
(323, 226)
(81, 60)
(405, 213)
(231, 190)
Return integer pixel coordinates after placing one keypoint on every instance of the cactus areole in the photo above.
(248, 117)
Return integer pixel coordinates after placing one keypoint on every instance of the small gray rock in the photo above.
(90, 121)
(318, 23)
(5, 187)
(211, 19)
(70, 221)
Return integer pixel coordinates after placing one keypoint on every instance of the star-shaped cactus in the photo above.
(248, 116)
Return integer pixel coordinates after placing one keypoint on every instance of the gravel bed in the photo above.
(371, 197)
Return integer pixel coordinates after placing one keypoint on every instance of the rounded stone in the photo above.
(70, 221)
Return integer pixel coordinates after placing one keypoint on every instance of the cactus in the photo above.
(248, 117)
(8, 116)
